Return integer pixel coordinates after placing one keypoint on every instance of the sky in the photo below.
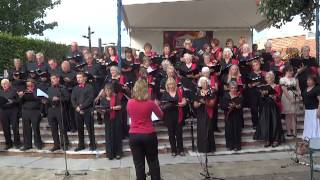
(74, 17)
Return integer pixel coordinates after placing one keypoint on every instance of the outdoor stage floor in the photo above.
(262, 166)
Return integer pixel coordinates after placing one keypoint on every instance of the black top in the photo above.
(30, 65)
(310, 99)
(57, 91)
(130, 75)
(30, 100)
(168, 102)
(68, 79)
(83, 97)
(210, 95)
(11, 96)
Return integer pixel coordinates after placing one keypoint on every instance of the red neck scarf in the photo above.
(180, 111)
(112, 114)
(82, 85)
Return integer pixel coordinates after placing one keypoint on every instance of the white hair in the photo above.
(205, 70)
(203, 79)
(187, 56)
(276, 54)
(225, 51)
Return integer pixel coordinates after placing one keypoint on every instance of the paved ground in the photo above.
(233, 167)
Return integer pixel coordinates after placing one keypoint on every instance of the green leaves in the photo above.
(24, 17)
(16, 46)
(279, 12)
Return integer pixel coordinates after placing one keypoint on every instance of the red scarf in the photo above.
(112, 113)
(81, 85)
(180, 111)
(122, 80)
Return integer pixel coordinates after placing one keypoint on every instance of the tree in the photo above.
(279, 12)
(24, 17)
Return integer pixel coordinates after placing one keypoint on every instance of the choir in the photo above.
(191, 82)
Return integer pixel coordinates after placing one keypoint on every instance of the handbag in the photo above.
(302, 147)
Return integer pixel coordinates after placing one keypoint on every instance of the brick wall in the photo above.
(294, 41)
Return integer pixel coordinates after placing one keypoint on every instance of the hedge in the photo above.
(16, 46)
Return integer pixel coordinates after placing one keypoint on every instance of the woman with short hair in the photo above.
(269, 128)
(203, 103)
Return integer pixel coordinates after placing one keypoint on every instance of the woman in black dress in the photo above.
(254, 79)
(110, 105)
(231, 103)
(128, 68)
(172, 102)
(269, 127)
(203, 103)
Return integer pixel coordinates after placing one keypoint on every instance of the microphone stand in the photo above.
(66, 174)
(295, 160)
(206, 174)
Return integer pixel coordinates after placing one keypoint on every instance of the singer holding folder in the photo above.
(30, 116)
(143, 139)
(110, 106)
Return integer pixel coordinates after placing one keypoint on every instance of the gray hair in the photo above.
(268, 44)
(187, 56)
(115, 68)
(30, 52)
(165, 64)
(233, 84)
(39, 54)
(305, 48)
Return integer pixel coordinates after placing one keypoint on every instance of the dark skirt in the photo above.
(113, 136)
(269, 127)
(205, 135)
(233, 128)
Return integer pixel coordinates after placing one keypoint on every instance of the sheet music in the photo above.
(40, 93)
(154, 118)
(149, 70)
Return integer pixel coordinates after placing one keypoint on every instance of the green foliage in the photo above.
(24, 17)
(279, 12)
(16, 46)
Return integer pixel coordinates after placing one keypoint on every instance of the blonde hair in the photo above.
(271, 74)
(140, 90)
(230, 75)
(171, 81)
(3, 81)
